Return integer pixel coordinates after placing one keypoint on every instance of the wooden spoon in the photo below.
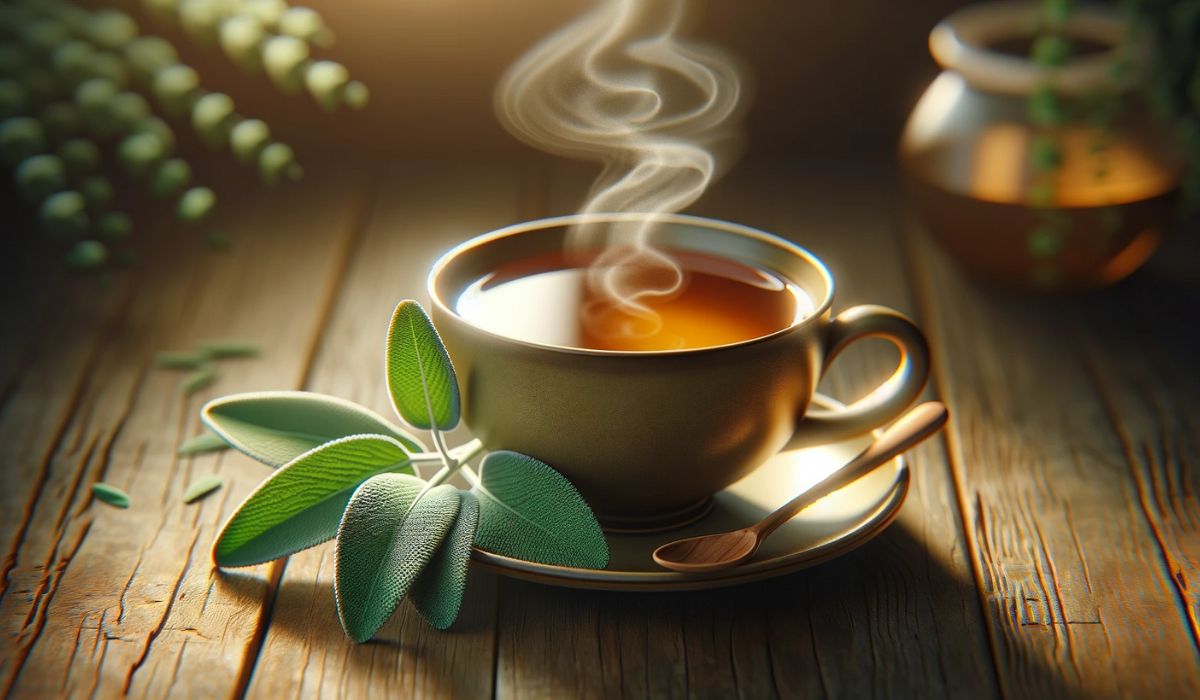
(726, 549)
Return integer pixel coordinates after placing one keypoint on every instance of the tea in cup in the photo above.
(650, 408)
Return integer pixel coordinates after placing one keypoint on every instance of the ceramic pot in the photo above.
(1051, 178)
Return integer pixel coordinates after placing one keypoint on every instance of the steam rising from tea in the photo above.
(541, 299)
(618, 86)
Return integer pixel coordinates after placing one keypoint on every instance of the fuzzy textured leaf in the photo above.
(420, 377)
(384, 542)
(438, 592)
(275, 427)
(300, 505)
(529, 511)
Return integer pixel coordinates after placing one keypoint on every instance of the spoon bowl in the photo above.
(709, 552)
(726, 549)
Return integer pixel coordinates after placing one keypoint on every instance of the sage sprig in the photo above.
(345, 472)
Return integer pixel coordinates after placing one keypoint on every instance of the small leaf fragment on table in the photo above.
(384, 542)
(529, 511)
(199, 380)
(301, 504)
(222, 349)
(420, 377)
(110, 494)
(172, 359)
(204, 442)
(438, 591)
(202, 487)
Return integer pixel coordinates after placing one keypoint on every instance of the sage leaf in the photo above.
(170, 359)
(420, 377)
(275, 427)
(110, 494)
(204, 442)
(529, 511)
(199, 380)
(229, 348)
(202, 487)
(299, 506)
(384, 542)
(438, 591)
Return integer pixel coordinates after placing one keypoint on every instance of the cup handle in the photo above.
(890, 398)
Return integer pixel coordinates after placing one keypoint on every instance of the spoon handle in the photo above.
(910, 429)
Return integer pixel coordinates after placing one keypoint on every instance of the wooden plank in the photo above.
(41, 375)
(1071, 463)
(109, 601)
(899, 617)
(421, 209)
(1141, 355)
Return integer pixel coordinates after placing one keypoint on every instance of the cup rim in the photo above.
(819, 310)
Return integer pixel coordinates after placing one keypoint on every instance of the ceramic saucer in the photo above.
(829, 528)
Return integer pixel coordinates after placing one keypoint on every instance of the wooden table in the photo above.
(1048, 547)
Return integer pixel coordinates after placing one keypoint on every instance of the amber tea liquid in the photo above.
(546, 300)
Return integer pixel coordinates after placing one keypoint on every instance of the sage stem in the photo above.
(470, 475)
(469, 451)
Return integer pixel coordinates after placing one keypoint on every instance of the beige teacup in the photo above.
(649, 437)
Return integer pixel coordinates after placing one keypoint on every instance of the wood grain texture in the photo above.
(871, 623)
(1048, 546)
(1074, 454)
(420, 210)
(108, 601)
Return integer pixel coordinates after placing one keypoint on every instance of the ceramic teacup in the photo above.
(648, 437)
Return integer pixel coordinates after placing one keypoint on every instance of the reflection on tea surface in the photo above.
(546, 300)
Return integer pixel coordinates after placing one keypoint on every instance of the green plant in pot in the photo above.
(1036, 158)
(92, 106)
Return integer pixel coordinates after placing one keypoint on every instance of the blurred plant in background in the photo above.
(82, 90)
(1173, 82)
(1175, 86)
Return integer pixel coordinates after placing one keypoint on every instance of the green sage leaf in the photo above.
(202, 487)
(170, 359)
(438, 591)
(275, 427)
(384, 542)
(110, 494)
(199, 379)
(204, 442)
(529, 511)
(420, 377)
(299, 506)
(229, 348)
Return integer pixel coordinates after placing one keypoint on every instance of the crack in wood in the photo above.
(254, 647)
(137, 565)
(1147, 492)
(74, 401)
(162, 620)
(42, 606)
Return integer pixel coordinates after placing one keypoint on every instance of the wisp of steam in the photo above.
(658, 111)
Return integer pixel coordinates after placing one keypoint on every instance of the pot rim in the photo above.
(962, 43)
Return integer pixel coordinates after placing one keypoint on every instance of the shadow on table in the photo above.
(407, 657)
(886, 620)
